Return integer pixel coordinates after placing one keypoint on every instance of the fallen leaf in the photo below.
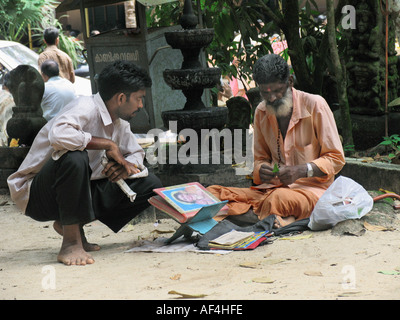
(176, 276)
(274, 261)
(372, 227)
(390, 272)
(250, 264)
(146, 145)
(367, 159)
(128, 228)
(14, 143)
(385, 191)
(313, 273)
(349, 294)
(159, 231)
(263, 280)
(362, 252)
(307, 236)
(187, 295)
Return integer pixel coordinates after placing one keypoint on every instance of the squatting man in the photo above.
(62, 178)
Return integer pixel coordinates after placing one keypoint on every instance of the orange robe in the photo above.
(311, 136)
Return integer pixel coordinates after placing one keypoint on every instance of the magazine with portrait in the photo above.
(190, 204)
(188, 197)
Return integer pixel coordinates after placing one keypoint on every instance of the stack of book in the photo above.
(238, 240)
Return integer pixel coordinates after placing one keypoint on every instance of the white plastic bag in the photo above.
(344, 199)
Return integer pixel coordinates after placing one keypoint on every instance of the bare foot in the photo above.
(86, 245)
(283, 221)
(72, 252)
(74, 255)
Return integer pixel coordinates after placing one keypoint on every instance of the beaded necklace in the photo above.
(279, 147)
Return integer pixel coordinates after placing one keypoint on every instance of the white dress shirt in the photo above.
(71, 130)
(58, 92)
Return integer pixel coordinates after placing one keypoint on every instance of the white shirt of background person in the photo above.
(58, 93)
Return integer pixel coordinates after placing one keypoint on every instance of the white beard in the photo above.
(284, 106)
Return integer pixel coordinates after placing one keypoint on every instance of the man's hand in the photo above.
(289, 174)
(117, 167)
(115, 171)
(286, 175)
(267, 175)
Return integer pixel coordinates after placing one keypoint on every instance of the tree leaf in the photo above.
(175, 276)
(372, 227)
(251, 264)
(263, 280)
(394, 103)
(389, 272)
(187, 295)
(313, 273)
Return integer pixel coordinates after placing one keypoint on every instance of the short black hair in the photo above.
(50, 68)
(122, 76)
(50, 35)
(271, 68)
(6, 80)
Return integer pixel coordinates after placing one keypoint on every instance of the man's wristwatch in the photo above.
(310, 171)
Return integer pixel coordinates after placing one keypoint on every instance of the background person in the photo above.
(51, 39)
(58, 92)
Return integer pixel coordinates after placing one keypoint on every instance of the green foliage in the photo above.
(163, 15)
(72, 47)
(311, 32)
(394, 143)
(69, 45)
(349, 149)
(16, 15)
(228, 20)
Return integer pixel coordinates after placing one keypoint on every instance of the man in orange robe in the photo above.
(296, 132)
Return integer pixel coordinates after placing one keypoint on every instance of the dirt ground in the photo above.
(314, 265)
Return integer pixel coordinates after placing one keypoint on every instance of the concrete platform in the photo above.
(374, 175)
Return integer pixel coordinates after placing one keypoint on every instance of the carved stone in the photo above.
(365, 60)
(27, 87)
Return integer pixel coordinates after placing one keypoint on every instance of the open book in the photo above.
(189, 204)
